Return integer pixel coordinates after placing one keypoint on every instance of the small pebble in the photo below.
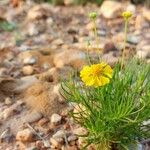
(72, 138)
(25, 135)
(133, 39)
(56, 119)
(8, 101)
(43, 121)
(28, 70)
(59, 134)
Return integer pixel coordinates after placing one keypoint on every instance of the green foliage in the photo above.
(114, 114)
(99, 2)
(6, 26)
(57, 2)
(78, 2)
(83, 2)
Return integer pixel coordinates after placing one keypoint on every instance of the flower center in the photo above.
(97, 71)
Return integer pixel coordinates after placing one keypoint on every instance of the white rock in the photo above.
(49, 21)
(133, 39)
(111, 9)
(32, 30)
(25, 135)
(24, 48)
(56, 119)
(8, 101)
(46, 66)
(59, 134)
(72, 138)
(30, 60)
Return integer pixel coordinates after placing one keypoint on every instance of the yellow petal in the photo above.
(96, 75)
(90, 82)
(108, 71)
(85, 71)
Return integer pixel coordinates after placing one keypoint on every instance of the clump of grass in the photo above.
(112, 105)
(83, 2)
(6, 26)
(99, 2)
(114, 114)
(78, 2)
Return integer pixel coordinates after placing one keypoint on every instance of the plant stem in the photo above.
(87, 53)
(96, 36)
(124, 44)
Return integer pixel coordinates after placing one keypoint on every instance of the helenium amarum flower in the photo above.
(96, 75)
(126, 15)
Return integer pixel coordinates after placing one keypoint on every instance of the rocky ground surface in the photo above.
(39, 45)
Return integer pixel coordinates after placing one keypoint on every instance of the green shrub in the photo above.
(99, 2)
(114, 114)
(7, 26)
(82, 2)
(78, 2)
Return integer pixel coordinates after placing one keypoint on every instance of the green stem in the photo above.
(95, 32)
(96, 36)
(87, 54)
(124, 44)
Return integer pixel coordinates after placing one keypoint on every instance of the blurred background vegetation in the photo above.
(99, 2)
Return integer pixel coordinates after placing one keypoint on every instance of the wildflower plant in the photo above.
(126, 15)
(113, 104)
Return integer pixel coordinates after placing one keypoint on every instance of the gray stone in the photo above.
(133, 39)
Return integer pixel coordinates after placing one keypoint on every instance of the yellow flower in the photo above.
(96, 75)
(126, 15)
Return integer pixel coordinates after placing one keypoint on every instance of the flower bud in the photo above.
(93, 15)
(127, 15)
